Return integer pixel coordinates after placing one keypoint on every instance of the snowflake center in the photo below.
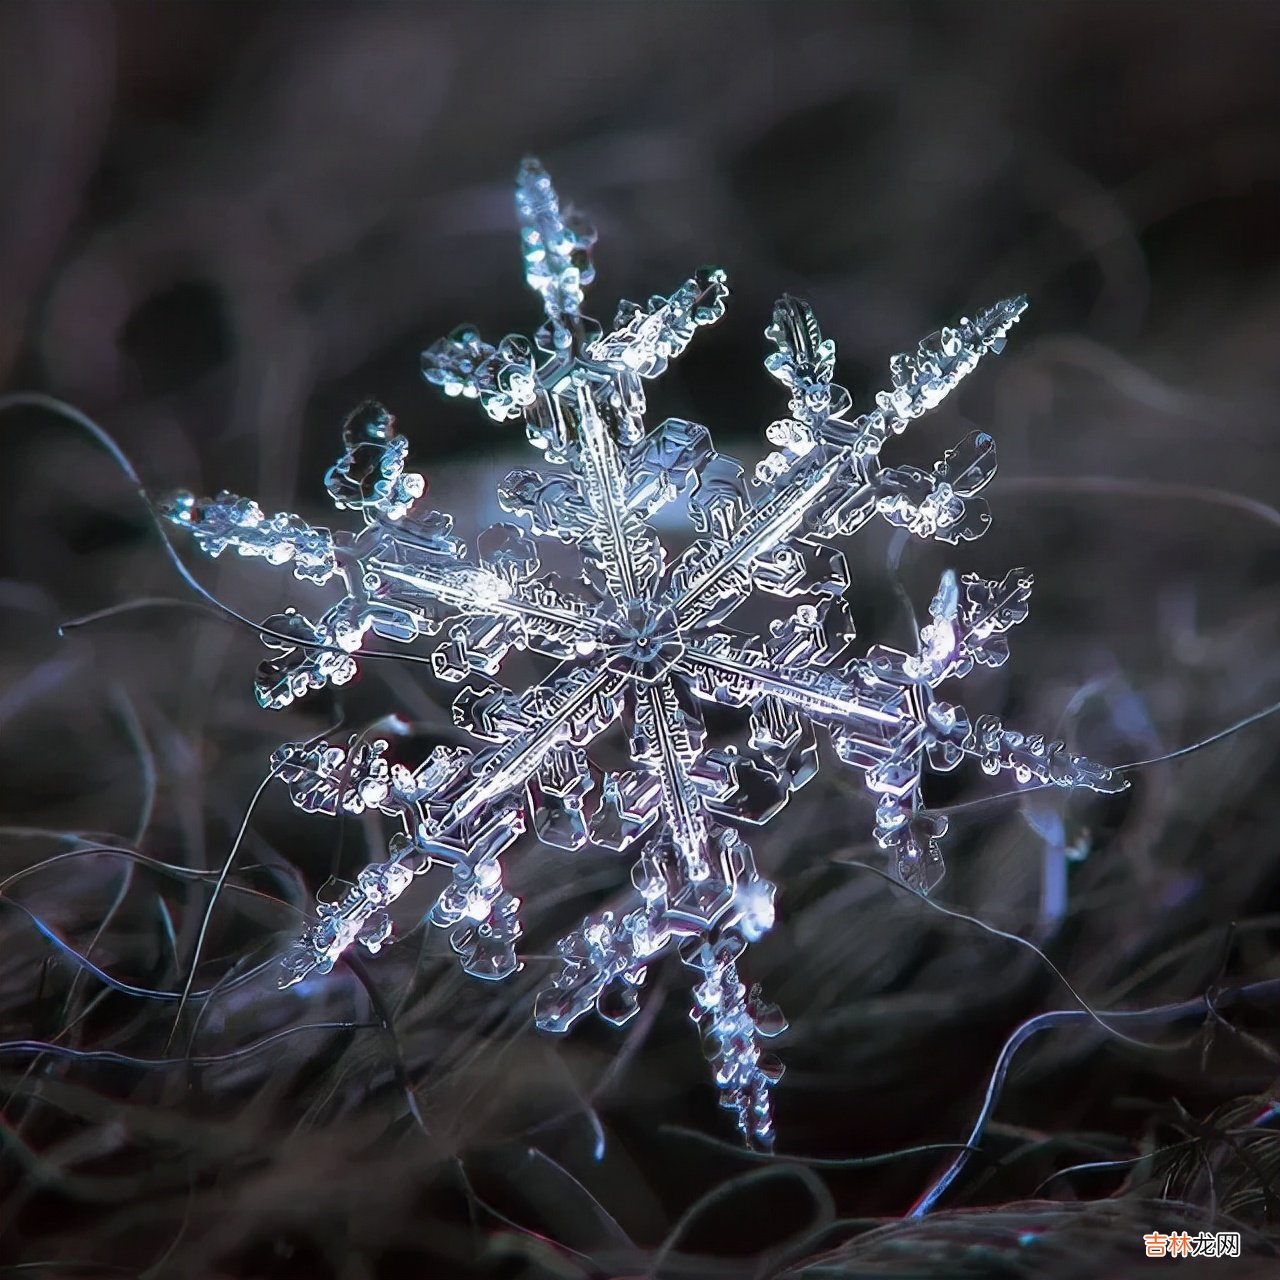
(642, 642)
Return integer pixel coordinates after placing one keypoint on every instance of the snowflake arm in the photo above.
(826, 480)
(556, 244)
(462, 810)
(406, 574)
(667, 738)
(883, 718)
(605, 961)
(625, 548)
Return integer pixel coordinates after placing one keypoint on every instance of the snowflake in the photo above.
(641, 638)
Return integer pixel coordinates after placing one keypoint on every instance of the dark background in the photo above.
(223, 225)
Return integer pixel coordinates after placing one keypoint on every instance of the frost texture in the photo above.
(639, 638)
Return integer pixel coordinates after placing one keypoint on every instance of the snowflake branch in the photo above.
(833, 482)
(460, 810)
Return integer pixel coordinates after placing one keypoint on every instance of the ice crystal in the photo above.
(639, 637)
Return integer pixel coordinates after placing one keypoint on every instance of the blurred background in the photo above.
(223, 225)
